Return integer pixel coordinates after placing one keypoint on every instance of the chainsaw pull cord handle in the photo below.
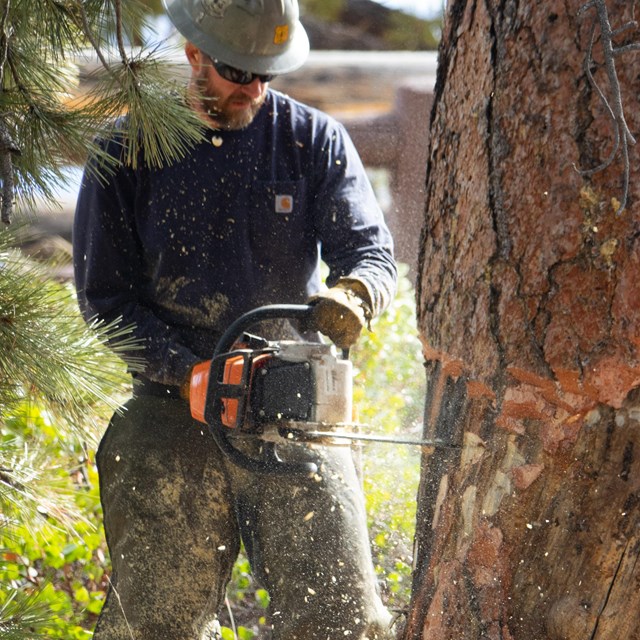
(216, 390)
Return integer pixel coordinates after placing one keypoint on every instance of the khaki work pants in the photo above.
(175, 512)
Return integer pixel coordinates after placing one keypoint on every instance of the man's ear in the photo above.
(194, 55)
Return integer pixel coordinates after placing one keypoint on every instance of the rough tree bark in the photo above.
(529, 309)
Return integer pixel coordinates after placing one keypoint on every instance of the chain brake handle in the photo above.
(269, 462)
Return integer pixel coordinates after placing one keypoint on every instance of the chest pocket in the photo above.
(279, 222)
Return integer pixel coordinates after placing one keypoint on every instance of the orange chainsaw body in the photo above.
(233, 373)
(299, 382)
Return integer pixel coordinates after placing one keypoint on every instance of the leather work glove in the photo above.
(341, 312)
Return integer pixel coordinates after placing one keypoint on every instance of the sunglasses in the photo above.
(238, 76)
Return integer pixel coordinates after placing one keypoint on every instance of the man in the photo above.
(179, 253)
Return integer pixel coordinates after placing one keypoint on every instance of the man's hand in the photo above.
(341, 312)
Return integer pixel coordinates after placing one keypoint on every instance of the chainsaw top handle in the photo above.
(269, 462)
(268, 312)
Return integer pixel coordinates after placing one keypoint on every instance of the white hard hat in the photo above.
(259, 36)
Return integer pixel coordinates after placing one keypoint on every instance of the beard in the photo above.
(222, 113)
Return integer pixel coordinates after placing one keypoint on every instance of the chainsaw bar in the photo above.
(366, 437)
(300, 432)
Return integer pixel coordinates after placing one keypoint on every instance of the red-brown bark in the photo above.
(529, 282)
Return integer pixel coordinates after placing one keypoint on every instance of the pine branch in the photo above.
(89, 34)
(47, 353)
(53, 132)
(7, 148)
(32, 490)
(159, 125)
(4, 39)
(7, 478)
(24, 615)
(119, 32)
(615, 109)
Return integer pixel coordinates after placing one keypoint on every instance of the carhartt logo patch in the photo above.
(284, 203)
(281, 34)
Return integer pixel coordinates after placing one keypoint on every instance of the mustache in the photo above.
(215, 104)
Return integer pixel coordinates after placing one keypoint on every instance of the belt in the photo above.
(144, 387)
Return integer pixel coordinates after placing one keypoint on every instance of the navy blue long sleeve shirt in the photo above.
(243, 220)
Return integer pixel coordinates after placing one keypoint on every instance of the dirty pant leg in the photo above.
(307, 541)
(169, 521)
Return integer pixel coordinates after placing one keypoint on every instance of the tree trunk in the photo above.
(528, 307)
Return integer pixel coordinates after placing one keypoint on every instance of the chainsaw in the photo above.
(277, 392)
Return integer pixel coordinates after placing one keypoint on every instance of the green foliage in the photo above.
(47, 353)
(56, 378)
(52, 557)
(149, 92)
(389, 392)
(48, 127)
(388, 366)
(246, 604)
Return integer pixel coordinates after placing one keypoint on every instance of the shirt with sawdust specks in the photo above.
(241, 221)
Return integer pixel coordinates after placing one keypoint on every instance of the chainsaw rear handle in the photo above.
(269, 462)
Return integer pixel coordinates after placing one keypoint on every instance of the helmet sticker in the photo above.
(281, 34)
(216, 8)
